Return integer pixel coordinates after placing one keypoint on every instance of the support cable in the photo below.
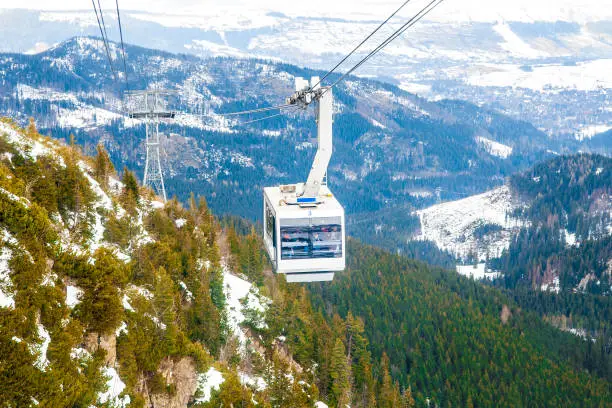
(246, 112)
(127, 86)
(416, 18)
(102, 19)
(361, 43)
(110, 61)
(266, 118)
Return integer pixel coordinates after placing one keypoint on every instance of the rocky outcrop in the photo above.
(107, 342)
(180, 375)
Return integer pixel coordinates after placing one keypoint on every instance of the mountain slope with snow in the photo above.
(549, 227)
(528, 64)
(454, 225)
(406, 142)
(106, 292)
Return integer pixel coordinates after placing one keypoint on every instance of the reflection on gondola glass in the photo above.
(314, 238)
(270, 223)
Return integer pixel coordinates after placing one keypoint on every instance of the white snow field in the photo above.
(495, 148)
(451, 225)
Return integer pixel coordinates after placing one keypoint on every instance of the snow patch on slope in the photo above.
(588, 132)
(451, 225)
(495, 148)
(114, 387)
(27, 147)
(478, 271)
(554, 286)
(241, 296)
(40, 350)
(7, 298)
(207, 382)
(73, 296)
(514, 45)
(235, 289)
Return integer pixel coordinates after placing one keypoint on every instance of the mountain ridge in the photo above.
(403, 143)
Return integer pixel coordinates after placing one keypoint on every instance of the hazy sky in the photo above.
(479, 10)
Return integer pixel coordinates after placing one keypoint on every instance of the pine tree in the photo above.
(103, 166)
(340, 374)
(232, 394)
(388, 396)
(131, 193)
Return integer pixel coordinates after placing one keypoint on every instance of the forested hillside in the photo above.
(565, 243)
(458, 343)
(110, 298)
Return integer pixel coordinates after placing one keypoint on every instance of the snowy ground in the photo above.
(73, 296)
(495, 148)
(6, 285)
(588, 132)
(554, 286)
(451, 225)
(546, 77)
(40, 350)
(114, 387)
(240, 295)
(477, 271)
(207, 382)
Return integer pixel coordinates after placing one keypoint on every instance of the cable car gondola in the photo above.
(304, 229)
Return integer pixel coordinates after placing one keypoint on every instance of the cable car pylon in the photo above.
(151, 106)
(304, 232)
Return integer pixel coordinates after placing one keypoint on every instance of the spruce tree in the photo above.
(131, 193)
(103, 166)
(407, 398)
(388, 396)
(340, 374)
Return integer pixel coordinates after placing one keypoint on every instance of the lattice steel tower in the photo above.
(152, 107)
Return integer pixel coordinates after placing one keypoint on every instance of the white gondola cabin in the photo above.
(305, 242)
(304, 230)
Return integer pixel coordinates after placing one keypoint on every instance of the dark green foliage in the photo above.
(230, 394)
(486, 229)
(248, 256)
(103, 167)
(566, 190)
(131, 191)
(340, 375)
(445, 338)
(101, 309)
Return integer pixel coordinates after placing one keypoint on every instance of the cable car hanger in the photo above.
(305, 95)
(304, 232)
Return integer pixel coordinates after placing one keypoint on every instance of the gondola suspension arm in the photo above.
(323, 98)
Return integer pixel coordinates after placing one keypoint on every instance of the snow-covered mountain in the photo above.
(407, 145)
(546, 65)
(478, 227)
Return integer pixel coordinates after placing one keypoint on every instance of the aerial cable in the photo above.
(422, 13)
(127, 86)
(110, 61)
(102, 19)
(362, 42)
(246, 112)
(416, 18)
(265, 118)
